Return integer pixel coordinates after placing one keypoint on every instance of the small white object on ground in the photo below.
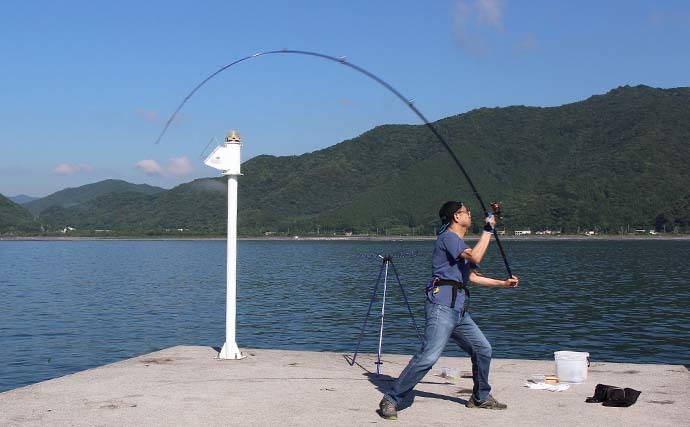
(549, 387)
(451, 374)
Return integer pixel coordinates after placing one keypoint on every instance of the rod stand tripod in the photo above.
(387, 261)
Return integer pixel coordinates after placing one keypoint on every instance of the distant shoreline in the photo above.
(298, 238)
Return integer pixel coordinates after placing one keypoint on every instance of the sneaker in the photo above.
(488, 403)
(387, 409)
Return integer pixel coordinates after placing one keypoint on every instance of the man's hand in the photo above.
(512, 282)
(490, 222)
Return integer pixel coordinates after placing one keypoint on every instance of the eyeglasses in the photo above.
(467, 211)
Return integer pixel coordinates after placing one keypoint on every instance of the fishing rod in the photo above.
(343, 60)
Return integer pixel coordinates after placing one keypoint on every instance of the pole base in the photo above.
(230, 352)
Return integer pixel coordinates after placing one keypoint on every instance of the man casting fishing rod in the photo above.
(455, 264)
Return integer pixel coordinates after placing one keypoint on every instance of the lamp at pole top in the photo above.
(227, 157)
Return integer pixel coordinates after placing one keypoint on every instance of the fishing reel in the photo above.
(496, 213)
(496, 209)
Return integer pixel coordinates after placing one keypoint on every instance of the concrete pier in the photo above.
(188, 386)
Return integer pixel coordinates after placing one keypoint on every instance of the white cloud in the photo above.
(71, 169)
(474, 21)
(657, 18)
(149, 167)
(180, 166)
(148, 115)
(490, 12)
(177, 166)
(154, 117)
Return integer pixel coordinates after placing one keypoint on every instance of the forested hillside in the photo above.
(612, 163)
(74, 196)
(14, 219)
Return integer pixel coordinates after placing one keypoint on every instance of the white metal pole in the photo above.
(383, 314)
(230, 349)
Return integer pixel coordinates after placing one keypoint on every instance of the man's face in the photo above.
(463, 217)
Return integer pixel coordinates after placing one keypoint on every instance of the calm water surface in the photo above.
(71, 305)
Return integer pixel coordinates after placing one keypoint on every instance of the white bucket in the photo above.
(571, 366)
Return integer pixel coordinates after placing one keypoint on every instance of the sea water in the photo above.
(66, 306)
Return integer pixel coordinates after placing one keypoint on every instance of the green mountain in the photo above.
(199, 206)
(613, 162)
(74, 196)
(676, 217)
(21, 199)
(14, 219)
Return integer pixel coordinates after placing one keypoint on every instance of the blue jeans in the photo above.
(442, 324)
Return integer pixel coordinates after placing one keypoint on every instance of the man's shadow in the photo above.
(384, 382)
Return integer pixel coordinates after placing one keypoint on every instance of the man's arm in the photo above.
(478, 279)
(476, 254)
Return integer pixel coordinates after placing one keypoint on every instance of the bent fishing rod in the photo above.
(343, 60)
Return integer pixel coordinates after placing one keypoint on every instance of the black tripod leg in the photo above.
(371, 302)
(419, 334)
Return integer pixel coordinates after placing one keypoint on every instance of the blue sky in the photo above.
(86, 86)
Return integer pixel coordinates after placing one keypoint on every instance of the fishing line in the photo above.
(203, 152)
(343, 60)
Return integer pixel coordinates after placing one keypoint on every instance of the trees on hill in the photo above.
(613, 162)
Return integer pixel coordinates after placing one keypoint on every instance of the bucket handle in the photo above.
(588, 362)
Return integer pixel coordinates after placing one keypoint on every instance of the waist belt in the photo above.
(455, 285)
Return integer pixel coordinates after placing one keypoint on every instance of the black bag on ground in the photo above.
(609, 395)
